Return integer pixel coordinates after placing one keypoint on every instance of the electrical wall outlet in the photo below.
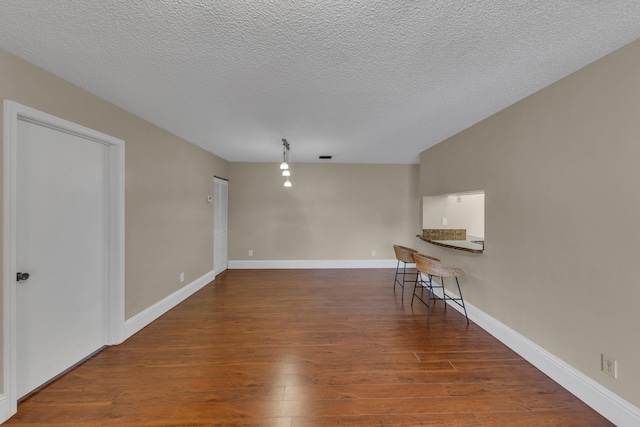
(609, 366)
(444, 221)
(250, 252)
(373, 252)
(181, 277)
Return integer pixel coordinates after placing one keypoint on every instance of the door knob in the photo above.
(23, 276)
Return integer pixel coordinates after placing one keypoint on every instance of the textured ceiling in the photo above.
(368, 81)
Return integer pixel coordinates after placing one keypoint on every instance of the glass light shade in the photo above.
(286, 172)
(284, 165)
(287, 183)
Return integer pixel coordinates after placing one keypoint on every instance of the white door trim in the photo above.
(217, 216)
(115, 302)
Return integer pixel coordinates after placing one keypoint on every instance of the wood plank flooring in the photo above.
(305, 348)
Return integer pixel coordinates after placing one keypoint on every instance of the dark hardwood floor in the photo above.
(305, 348)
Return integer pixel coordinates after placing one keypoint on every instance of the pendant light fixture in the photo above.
(285, 150)
(284, 166)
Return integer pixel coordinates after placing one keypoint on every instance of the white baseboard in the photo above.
(308, 264)
(145, 317)
(5, 412)
(608, 404)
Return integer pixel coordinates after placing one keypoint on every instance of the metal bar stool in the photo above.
(404, 255)
(432, 267)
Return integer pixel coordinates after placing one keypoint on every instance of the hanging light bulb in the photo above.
(286, 172)
(287, 183)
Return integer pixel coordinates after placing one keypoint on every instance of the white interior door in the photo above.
(220, 224)
(62, 228)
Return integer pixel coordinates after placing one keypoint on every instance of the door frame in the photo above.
(222, 181)
(115, 283)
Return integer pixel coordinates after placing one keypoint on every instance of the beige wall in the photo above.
(169, 224)
(332, 211)
(560, 174)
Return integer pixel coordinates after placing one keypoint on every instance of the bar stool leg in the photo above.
(415, 285)
(419, 283)
(433, 297)
(445, 297)
(404, 275)
(395, 280)
(462, 301)
(430, 296)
